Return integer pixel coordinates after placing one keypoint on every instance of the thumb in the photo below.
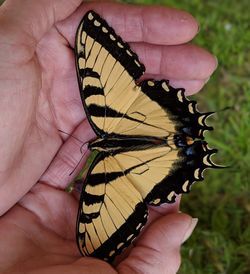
(23, 23)
(158, 249)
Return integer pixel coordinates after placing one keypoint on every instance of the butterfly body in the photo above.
(133, 143)
(149, 141)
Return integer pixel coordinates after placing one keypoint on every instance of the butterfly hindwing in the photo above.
(111, 212)
(187, 169)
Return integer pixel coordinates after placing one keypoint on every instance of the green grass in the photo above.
(221, 242)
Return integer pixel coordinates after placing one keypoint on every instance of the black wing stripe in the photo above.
(89, 72)
(90, 91)
(90, 198)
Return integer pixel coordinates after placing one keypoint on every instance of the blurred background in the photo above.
(221, 241)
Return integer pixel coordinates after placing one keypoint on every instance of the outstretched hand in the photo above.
(40, 95)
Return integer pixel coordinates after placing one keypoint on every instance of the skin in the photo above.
(39, 95)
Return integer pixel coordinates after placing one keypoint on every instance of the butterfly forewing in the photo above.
(107, 70)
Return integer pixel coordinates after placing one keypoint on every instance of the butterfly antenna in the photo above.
(79, 161)
(71, 136)
(81, 149)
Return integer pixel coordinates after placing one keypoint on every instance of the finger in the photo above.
(183, 62)
(151, 24)
(23, 24)
(164, 209)
(160, 244)
(190, 86)
(155, 212)
(70, 158)
(81, 266)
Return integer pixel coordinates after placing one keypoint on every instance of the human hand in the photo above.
(38, 237)
(40, 95)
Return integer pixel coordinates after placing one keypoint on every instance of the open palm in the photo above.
(40, 95)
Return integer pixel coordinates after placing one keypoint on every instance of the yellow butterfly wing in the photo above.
(111, 212)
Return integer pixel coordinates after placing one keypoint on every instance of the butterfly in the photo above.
(150, 143)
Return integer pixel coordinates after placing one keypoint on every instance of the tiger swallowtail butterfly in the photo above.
(150, 141)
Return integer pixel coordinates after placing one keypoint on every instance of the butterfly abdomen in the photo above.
(116, 143)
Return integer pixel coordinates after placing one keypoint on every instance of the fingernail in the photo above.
(190, 229)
